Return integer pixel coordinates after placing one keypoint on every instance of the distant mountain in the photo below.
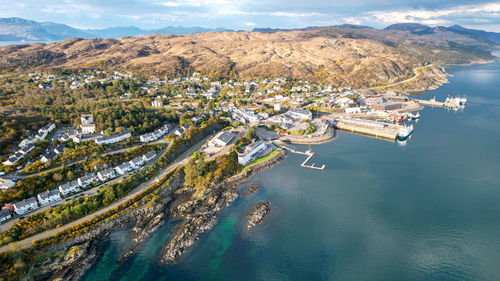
(352, 26)
(414, 28)
(116, 32)
(18, 29)
(480, 35)
(185, 30)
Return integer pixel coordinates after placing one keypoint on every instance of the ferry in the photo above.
(405, 132)
(414, 116)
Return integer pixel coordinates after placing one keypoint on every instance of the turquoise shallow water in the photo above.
(425, 211)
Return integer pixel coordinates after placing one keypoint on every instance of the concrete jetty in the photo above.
(309, 154)
(376, 129)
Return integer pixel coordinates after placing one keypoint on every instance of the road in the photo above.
(181, 160)
(416, 74)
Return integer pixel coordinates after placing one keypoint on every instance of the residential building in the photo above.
(149, 156)
(148, 137)
(6, 183)
(4, 215)
(47, 156)
(352, 110)
(87, 179)
(251, 151)
(87, 119)
(27, 141)
(59, 149)
(48, 196)
(87, 128)
(27, 149)
(114, 138)
(137, 162)
(69, 187)
(82, 137)
(25, 206)
(124, 168)
(106, 174)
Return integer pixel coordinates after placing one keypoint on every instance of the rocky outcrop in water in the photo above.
(250, 190)
(257, 213)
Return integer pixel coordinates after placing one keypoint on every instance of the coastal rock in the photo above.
(250, 189)
(257, 213)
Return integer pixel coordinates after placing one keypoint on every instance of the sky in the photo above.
(249, 14)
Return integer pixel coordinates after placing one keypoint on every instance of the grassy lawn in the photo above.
(273, 154)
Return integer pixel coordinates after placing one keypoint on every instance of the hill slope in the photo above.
(342, 56)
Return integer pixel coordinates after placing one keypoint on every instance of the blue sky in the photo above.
(247, 14)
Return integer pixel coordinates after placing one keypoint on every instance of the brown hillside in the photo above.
(312, 55)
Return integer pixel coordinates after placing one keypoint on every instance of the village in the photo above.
(277, 111)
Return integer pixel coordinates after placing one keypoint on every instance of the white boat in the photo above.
(405, 132)
(414, 115)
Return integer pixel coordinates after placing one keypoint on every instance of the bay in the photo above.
(428, 210)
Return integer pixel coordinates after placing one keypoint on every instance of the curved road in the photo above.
(181, 160)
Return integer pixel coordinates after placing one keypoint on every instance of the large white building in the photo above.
(299, 113)
(87, 179)
(251, 151)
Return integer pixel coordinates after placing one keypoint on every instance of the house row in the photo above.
(114, 138)
(18, 155)
(149, 137)
(135, 163)
(27, 144)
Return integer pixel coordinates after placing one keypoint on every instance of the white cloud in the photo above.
(250, 23)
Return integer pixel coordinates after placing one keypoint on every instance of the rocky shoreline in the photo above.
(70, 260)
(257, 213)
(200, 214)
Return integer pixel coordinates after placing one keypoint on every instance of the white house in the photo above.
(137, 162)
(48, 196)
(87, 128)
(251, 151)
(27, 141)
(26, 149)
(25, 206)
(87, 179)
(6, 184)
(4, 215)
(104, 175)
(149, 156)
(124, 168)
(148, 137)
(69, 187)
(114, 138)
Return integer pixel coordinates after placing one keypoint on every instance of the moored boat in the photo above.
(405, 132)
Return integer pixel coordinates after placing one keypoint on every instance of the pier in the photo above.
(432, 103)
(309, 154)
(376, 129)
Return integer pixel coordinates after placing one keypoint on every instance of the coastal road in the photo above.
(415, 72)
(181, 160)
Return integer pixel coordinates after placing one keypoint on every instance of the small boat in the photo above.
(414, 116)
(405, 132)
